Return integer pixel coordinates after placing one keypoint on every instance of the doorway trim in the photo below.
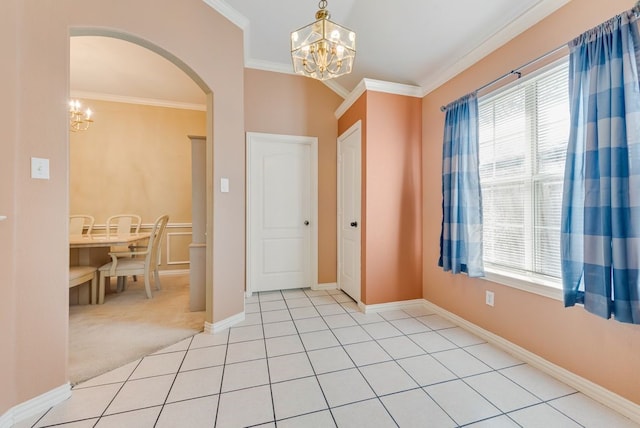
(256, 138)
(356, 127)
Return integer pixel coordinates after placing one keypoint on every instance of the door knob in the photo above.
(306, 222)
(354, 224)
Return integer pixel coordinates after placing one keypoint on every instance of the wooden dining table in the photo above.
(93, 250)
(86, 244)
(97, 241)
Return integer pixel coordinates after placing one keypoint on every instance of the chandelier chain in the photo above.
(322, 4)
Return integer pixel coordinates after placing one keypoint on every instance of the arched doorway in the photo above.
(136, 157)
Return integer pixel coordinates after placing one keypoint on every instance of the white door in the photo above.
(281, 211)
(349, 223)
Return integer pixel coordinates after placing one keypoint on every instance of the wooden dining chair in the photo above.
(123, 225)
(122, 263)
(78, 222)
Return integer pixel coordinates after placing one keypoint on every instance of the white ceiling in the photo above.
(415, 42)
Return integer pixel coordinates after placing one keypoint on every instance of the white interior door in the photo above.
(282, 212)
(349, 196)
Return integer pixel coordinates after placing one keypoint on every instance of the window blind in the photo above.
(523, 132)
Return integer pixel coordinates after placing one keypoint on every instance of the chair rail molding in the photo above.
(149, 226)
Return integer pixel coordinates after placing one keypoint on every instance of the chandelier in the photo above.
(323, 49)
(78, 120)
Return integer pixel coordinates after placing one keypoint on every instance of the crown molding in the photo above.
(350, 99)
(135, 100)
(223, 8)
(377, 86)
(516, 27)
(336, 87)
(276, 67)
(393, 88)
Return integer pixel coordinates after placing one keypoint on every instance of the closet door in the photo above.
(349, 221)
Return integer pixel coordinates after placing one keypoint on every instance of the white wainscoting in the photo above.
(170, 236)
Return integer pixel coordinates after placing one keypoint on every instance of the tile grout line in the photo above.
(409, 374)
(266, 361)
(315, 374)
(357, 367)
(172, 383)
(377, 340)
(224, 366)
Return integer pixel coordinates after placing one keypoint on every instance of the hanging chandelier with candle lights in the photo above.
(323, 49)
(79, 120)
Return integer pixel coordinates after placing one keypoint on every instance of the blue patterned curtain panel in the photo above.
(600, 244)
(461, 236)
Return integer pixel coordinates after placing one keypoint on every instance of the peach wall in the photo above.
(134, 159)
(394, 198)
(391, 265)
(278, 103)
(603, 351)
(35, 105)
(9, 74)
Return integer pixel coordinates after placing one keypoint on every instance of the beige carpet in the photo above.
(129, 326)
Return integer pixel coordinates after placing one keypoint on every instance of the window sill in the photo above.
(520, 282)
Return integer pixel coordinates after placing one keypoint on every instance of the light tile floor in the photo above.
(306, 358)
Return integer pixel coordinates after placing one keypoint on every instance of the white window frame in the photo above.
(514, 278)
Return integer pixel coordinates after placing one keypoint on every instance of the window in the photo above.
(524, 130)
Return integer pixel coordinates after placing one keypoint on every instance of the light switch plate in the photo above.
(224, 185)
(40, 168)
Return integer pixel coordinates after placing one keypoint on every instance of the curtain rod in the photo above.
(515, 70)
(635, 9)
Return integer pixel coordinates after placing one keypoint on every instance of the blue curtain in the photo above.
(600, 242)
(461, 236)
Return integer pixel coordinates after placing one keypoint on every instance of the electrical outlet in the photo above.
(489, 298)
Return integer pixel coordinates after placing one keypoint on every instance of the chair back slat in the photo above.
(123, 224)
(78, 222)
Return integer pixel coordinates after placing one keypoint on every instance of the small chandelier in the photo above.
(78, 120)
(323, 50)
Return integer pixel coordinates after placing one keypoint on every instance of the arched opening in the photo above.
(136, 157)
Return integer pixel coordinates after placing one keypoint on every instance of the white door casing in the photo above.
(349, 221)
(282, 213)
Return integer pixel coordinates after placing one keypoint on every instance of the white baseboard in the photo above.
(326, 286)
(224, 324)
(368, 309)
(610, 399)
(36, 405)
